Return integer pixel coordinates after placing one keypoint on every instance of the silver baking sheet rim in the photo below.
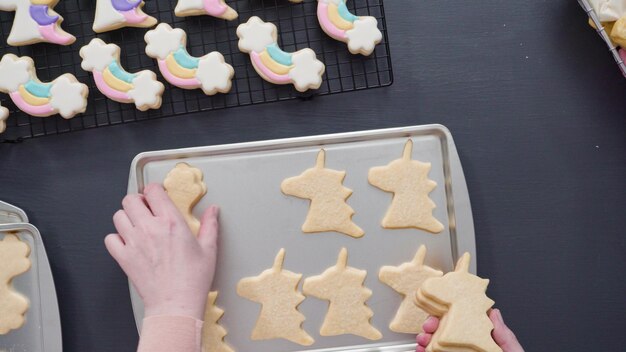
(460, 222)
(48, 304)
(10, 214)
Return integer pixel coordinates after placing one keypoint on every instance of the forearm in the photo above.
(170, 334)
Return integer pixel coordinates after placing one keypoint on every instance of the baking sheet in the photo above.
(42, 329)
(257, 220)
(10, 214)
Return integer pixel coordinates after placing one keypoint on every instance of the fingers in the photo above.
(502, 335)
(135, 207)
(423, 339)
(123, 225)
(160, 203)
(420, 349)
(115, 245)
(209, 229)
(430, 325)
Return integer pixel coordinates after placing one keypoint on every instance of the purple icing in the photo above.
(125, 5)
(40, 14)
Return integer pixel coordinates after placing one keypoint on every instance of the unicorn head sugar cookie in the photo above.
(35, 22)
(65, 95)
(141, 88)
(361, 33)
(301, 68)
(209, 72)
(215, 8)
(115, 14)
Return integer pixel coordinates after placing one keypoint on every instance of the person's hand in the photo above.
(502, 335)
(171, 269)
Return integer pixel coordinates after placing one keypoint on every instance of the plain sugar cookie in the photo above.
(342, 286)
(324, 187)
(185, 187)
(406, 279)
(408, 180)
(35, 22)
(14, 261)
(212, 332)
(276, 290)
(115, 14)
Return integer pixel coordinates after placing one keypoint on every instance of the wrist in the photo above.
(175, 308)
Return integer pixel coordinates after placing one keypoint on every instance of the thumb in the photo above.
(209, 229)
(115, 245)
(502, 335)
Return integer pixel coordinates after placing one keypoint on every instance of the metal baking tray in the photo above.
(257, 220)
(42, 330)
(10, 214)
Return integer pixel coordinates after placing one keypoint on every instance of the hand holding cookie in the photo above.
(154, 242)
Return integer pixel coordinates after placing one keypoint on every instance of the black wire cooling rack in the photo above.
(297, 28)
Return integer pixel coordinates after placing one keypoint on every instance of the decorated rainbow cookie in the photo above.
(115, 14)
(215, 8)
(141, 88)
(4, 115)
(302, 68)
(169, 47)
(65, 95)
(35, 22)
(361, 33)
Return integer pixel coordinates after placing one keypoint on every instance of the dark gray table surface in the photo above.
(536, 106)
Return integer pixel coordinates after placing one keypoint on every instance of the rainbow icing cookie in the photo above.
(169, 47)
(141, 88)
(65, 95)
(215, 8)
(35, 22)
(301, 68)
(4, 115)
(361, 33)
(115, 14)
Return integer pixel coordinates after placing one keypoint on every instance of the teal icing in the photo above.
(120, 73)
(40, 90)
(345, 13)
(183, 58)
(278, 55)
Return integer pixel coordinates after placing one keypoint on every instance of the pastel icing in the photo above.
(215, 8)
(209, 72)
(4, 115)
(141, 88)
(64, 95)
(114, 14)
(301, 68)
(361, 33)
(35, 22)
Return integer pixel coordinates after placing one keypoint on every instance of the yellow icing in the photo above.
(31, 99)
(336, 19)
(267, 60)
(115, 82)
(177, 70)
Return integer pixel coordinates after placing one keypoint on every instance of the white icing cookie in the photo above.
(215, 8)
(4, 115)
(115, 14)
(141, 88)
(35, 22)
(65, 95)
(301, 68)
(361, 33)
(168, 47)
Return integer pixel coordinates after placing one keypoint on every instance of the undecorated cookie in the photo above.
(408, 180)
(141, 88)
(464, 324)
(14, 261)
(301, 68)
(212, 332)
(185, 187)
(406, 279)
(65, 95)
(342, 286)
(276, 290)
(35, 22)
(215, 8)
(328, 210)
(115, 14)
(169, 47)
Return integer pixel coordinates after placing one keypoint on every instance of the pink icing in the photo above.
(215, 7)
(134, 17)
(275, 78)
(43, 110)
(108, 91)
(327, 25)
(177, 81)
(50, 34)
